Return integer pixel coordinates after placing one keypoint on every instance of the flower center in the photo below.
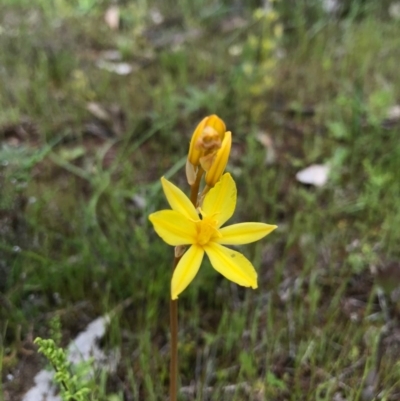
(206, 230)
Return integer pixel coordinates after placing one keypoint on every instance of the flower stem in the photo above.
(194, 189)
(173, 308)
(173, 313)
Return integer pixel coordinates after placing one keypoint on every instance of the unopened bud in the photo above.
(220, 161)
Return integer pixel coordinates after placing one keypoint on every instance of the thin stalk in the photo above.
(173, 308)
(194, 189)
(173, 367)
(62, 381)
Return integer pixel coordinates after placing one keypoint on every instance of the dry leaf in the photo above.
(394, 113)
(331, 6)
(266, 141)
(111, 55)
(394, 10)
(316, 174)
(156, 16)
(392, 117)
(233, 23)
(117, 68)
(110, 120)
(98, 111)
(111, 17)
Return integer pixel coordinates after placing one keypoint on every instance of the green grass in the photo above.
(75, 240)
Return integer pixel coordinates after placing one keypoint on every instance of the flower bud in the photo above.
(219, 161)
(206, 140)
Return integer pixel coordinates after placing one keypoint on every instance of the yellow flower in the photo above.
(183, 226)
(206, 141)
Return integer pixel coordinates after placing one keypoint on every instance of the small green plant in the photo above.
(71, 386)
(74, 380)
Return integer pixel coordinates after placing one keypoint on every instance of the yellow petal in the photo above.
(232, 265)
(220, 201)
(194, 152)
(174, 228)
(220, 161)
(217, 124)
(186, 270)
(243, 233)
(178, 200)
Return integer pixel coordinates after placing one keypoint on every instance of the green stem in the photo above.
(62, 381)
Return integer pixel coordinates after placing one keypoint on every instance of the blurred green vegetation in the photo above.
(82, 148)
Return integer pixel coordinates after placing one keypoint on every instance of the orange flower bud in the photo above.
(205, 143)
(206, 138)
